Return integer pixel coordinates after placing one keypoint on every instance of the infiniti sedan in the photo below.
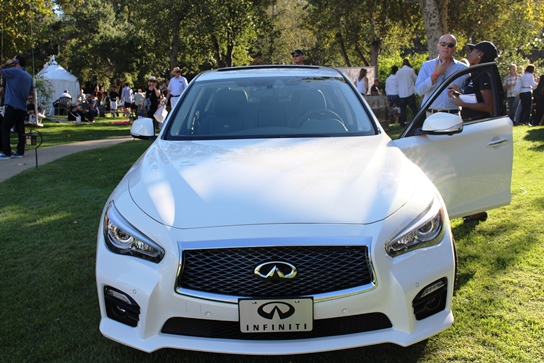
(273, 215)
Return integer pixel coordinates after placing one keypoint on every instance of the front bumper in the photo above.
(382, 312)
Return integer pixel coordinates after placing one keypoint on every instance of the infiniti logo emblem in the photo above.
(280, 309)
(275, 271)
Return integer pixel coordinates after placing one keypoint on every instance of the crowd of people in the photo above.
(129, 102)
(525, 107)
(525, 104)
(18, 105)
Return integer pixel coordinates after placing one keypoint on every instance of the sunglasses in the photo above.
(450, 45)
(296, 55)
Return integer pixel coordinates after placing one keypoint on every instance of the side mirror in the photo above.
(442, 123)
(143, 128)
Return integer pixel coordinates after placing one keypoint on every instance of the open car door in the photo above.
(469, 162)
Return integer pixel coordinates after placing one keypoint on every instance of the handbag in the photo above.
(160, 114)
(517, 88)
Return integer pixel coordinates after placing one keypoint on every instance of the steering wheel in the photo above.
(319, 114)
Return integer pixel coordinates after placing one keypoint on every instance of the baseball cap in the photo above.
(298, 51)
(488, 48)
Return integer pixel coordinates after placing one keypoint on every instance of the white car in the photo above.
(273, 215)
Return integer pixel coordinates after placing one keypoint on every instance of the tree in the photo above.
(435, 17)
(358, 30)
(21, 26)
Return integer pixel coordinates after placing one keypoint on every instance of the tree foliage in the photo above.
(107, 42)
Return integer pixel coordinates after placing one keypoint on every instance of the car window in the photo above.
(252, 107)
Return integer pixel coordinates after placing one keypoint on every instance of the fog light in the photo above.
(118, 295)
(431, 299)
(121, 307)
(435, 286)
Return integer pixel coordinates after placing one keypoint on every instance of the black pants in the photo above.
(13, 117)
(407, 101)
(526, 99)
(538, 111)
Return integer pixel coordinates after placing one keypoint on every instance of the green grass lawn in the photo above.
(48, 303)
(55, 133)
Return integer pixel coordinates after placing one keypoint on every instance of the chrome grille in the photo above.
(230, 271)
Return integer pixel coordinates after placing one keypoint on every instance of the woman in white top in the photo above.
(526, 94)
(362, 82)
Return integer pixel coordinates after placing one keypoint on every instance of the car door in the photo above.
(471, 163)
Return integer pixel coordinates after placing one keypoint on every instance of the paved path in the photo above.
(11, 167)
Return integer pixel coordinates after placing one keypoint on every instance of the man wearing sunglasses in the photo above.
(298, 57)
(435, 71)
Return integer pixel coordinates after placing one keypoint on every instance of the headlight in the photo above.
(427, 230)
(123, 238)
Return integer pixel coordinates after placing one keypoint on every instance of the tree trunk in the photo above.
(375, 48)
(174, 48)
(361, 55)
(435, 17)
(340, 41)
(217, 53)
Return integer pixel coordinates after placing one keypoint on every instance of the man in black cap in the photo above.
(298, 57)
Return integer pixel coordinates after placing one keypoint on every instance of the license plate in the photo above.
(276, 316)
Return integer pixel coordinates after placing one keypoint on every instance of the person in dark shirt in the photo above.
(476, 97)
(374, 90)
(114, 97)
(152, 98)
(18, 87)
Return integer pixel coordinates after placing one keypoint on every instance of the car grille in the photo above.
(321, 328)
(230, 271)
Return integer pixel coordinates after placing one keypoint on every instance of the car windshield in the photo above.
(270, 106)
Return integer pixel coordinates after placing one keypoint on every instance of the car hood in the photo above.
(195, 184)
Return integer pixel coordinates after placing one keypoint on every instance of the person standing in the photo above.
(477, 84)
(538, 97)
(362, 82)
(526, 95)
(126, 98)
(435, 71)
(298, 57)
(513, 100)
(113, 95)
(152, 98)
(139, 98)
(375, 89)
(407, 79)
(18, 87)
(176, 86)
(392, 88)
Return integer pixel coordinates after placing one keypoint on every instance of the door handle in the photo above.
(498, 142)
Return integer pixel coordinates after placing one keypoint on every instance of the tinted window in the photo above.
(268, 106)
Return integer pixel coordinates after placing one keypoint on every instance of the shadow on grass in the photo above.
(384, 353)
(496, 257)
(536, 134)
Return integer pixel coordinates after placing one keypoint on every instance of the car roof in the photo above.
(268, 70)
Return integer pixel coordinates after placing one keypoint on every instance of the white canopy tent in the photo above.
(60, 79)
